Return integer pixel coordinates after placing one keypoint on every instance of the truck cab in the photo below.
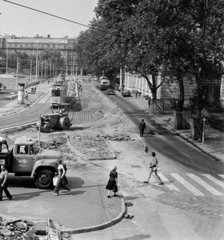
(28, 159)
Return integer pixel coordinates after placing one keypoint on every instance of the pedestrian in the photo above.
(4, 183)
(26, 95)
(136, 94)
(61, 179)
(3, 141)
(142, 127)
(153, 168)
(112, 182)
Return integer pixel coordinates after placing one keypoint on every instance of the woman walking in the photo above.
(4, 183)
(61, 178)
(154, 166)
(112, 182)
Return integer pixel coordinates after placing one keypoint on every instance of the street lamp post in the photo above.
(37, 62)
(30, 70)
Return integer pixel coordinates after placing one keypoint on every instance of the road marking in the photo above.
(221, 184)
(168, 183)
(205, 185)
(139, 138)
(221, 175)
(186, 184)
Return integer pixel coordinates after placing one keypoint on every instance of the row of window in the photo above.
(13, 45)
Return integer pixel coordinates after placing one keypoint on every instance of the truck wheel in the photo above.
(44, 179)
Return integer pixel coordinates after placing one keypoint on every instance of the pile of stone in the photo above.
(22, 230)
(56, 143)
(114, 137)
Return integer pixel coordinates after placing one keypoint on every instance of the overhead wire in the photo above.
(52, 15)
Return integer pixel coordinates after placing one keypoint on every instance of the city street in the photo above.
(190, 203)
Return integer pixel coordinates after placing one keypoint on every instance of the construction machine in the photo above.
(58, 120)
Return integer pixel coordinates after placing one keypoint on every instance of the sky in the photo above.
(24, 22)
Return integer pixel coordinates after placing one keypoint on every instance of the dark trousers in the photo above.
(7, 193)
(142, 132)
(60, 184)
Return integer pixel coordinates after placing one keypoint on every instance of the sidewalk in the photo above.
(41, 87)
(214, 139)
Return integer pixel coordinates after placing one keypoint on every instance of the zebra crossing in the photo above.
(198, 185)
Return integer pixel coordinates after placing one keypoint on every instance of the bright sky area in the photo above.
(24, 22)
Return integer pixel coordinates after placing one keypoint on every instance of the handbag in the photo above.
(64, 180)
(115, 188)
(152, 166)
(55, 180)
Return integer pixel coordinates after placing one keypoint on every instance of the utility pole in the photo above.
(45, 69)
(30, 70)
(17, 71)
(37, 62)
(7, 58)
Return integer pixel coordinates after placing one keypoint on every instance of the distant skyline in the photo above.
(19, 21)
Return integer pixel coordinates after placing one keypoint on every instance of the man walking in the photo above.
(4, 183)
(153, 168)
(142, 127)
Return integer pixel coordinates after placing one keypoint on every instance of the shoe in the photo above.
(56, 194)
(161, 183)
(146, 182)
(115, 195)
(10, 198)
(109, 196)
(69, 191)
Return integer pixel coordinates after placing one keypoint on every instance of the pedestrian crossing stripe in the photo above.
(216, 181)
(168, 183)
(197, 179)
(205, 185)
(221, 175)
(186, 184)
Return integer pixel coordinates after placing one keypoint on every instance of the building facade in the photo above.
(28, 45)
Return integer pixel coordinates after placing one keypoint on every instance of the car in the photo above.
(110, 91)
(126, 93)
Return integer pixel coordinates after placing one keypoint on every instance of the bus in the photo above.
(104, 84)
(58, 92)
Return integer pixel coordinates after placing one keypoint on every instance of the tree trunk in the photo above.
(181, 96)
(153, 88)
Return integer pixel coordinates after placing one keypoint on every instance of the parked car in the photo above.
(110, 91)
(126, 93)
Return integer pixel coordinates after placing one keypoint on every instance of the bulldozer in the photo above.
(58, 120)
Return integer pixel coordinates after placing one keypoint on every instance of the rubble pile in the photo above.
(57, 142)
(115, 137)
(91, 147)
(21, 230)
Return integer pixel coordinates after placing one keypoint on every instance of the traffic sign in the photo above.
(205, 113)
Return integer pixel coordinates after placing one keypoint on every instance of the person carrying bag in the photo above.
(154, 167)
(62, 179)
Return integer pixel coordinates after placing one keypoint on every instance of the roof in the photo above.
(24, 140)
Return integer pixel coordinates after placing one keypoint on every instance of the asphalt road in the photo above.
(175, 154)
(28, 116)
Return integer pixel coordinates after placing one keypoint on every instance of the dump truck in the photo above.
(26, 158)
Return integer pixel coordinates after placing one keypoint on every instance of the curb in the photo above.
(28, 107)
(182, 136)
(198, 147)
(103, 225)
(17, 128)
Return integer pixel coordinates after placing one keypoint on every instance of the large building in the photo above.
(37, 44)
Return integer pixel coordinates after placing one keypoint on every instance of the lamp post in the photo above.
(37, 62)
(30, 70)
